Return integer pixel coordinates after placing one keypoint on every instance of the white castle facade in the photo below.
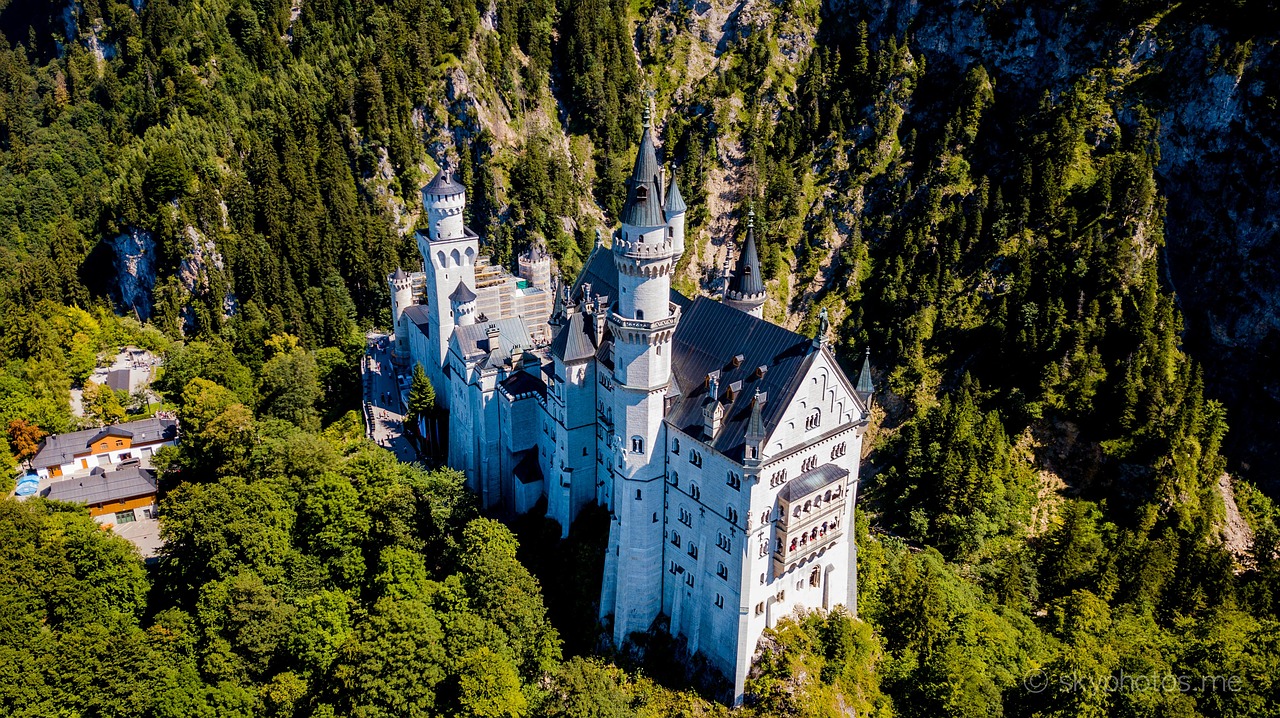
(725, 447)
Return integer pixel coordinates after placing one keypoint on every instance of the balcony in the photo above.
(811, 516)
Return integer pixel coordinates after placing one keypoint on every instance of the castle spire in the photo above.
(865, 388)
(644, 188)
(745, 288)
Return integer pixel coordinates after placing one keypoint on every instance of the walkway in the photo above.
(383, 400)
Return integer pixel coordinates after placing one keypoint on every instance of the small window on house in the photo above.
(814, 420)
(815, 576)
(760, 608)
(637, 494)
(584, 451)
(693, 491)
(126, 517)
(762, 579)
(693, 551)
(686, 518)
(675, 446)
(675, 539)
(655, 517)
(675, 479)
(639, 314)
(719, 601)
(731, 514)
(723, 542)
(688, 579)
(722, 571)
(734, 480)
(637, 445)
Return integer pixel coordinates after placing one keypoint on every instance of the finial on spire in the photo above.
(751, 217)
(599, 238)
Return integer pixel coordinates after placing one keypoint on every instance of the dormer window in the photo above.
(642, 193)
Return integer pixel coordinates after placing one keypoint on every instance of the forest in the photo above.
(1053, 470)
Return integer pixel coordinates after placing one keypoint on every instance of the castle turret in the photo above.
(535, 267)
(401, 298)
(643, 323)
(675, 209)
(746, 284)
(463, 303)
(449, 252)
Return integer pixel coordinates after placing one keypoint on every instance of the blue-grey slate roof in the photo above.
(420, 315)
(472, 341)
(675, 201)
(710, 335)
(58, 449)
(746, 277)
(104, 487)
(644, 188)
(811, 481)
(462, 294)
(443, 185)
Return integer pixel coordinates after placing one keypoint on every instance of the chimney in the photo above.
(712, 409)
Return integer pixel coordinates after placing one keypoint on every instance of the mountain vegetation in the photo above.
(998, 199)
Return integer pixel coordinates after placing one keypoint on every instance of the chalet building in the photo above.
(725, 447)
(79, 452)
(117, 496)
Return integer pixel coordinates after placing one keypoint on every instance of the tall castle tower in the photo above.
(746, 284)
(449, 252)
(401, 297)
(643, 323)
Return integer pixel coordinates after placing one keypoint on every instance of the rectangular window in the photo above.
(125, 517)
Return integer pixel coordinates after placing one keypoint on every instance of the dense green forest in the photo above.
(228, 182)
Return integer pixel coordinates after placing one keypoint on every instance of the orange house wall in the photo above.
(116, 506)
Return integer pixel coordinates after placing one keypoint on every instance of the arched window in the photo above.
(675, 479)
(675, 446)
(693, 491)
(764, 517)
(637, 445)
(637, 494)
(639, 314)
(732, 514)
(814, 420)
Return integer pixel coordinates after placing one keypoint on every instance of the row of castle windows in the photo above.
(817, 533)
(454, 258)
(817, 502)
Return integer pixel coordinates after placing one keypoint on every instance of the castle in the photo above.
(725, 447)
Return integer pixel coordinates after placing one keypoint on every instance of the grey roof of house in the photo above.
(58, 449)
(444, 185)
(675, 201)
(576, 340)
(419, 315)
(602, 274)
(472, 341)
(747, 278)
(811, 481)
(644, 188)
(709, 336)
(120, 379)
(101, 487)
(462, 294)
(522, 382)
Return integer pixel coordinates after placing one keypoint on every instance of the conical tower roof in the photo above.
(747, 279)
(865, 387)
(462, 294)
(675, 201)
(644, 188)
(444, 185)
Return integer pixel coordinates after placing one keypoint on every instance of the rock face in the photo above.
(135, 265)
(1216, 95)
